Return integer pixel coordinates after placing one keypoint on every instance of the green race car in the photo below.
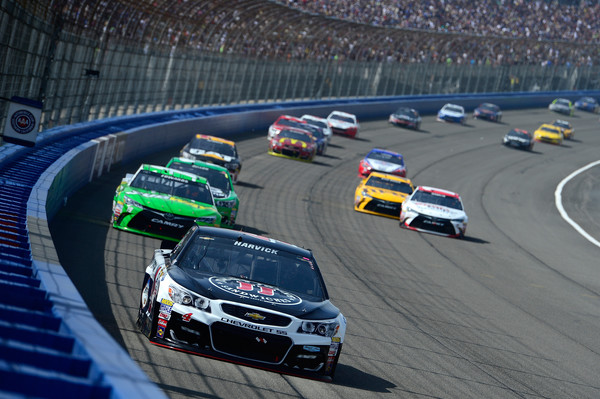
(220, 182)
(163, 203)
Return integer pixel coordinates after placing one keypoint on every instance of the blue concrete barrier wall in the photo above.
(70, 156)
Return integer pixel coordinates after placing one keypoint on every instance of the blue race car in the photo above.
(588, 104)
(488, 111)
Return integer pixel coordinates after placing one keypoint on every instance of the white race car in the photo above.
(452, 113)
(436, 211)
(242, 298)
(343, 123)
(320, 122)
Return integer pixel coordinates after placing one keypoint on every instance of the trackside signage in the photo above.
(22, 121)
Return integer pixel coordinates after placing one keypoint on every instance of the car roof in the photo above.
(198, 163)
(382, 151)
(438, 191)
(163, 170)
(254, 239)
(214, 138)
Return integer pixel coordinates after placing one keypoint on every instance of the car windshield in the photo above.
(437, 199)
(389, 184)
(491, 107)
(212, 146)
(518, 133)
(563, 124)
(407, 111)
(175, 186)
(205, 256)
(563, 102)
(287, 122)
(452, 108)
(294, 135)
(342, 118)
(218, 179)
(387, 157)
(315, 122)
(550, 129)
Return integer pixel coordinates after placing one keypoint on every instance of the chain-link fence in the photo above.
(80, 78)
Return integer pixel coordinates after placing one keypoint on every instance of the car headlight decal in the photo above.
(184, 297)
(226, 204)
(130, 202)
(207, 219)
(323, 328)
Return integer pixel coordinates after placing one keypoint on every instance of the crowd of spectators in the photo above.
(575, 20)
(541, 32)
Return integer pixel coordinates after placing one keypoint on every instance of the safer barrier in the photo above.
(51, 345)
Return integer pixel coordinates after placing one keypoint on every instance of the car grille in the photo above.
(254, 316)
(290, 151)
(433, 224)
(384, 207)
(161, 223)
(249, 344)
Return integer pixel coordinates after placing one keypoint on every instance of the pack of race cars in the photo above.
(248, 299)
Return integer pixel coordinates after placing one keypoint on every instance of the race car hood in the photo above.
(387, 195)
(437, 210)
(210, 155)
(170, 204)
(451, 114)
(342, 124)
(383, 166)
(294, 142)
(226, 288)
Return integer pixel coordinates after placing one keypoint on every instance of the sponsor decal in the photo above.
(333, 349)
(255, 291)
(310, 348)
(164, 316)
(166, 301)
(186, 317)
(336, 339)
(261, 340)
(162, 323)
(165, 308)
(251, 326)
(160, 332)
(255, 247)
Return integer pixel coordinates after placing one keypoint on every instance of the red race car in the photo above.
(293, 143)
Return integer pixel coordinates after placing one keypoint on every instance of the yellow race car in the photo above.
(382, 194)
(548, 133)
(566, 127)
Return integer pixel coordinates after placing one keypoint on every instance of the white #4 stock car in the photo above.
(436, 211)
(242, 298)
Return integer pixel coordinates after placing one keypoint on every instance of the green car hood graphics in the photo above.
(163, 203)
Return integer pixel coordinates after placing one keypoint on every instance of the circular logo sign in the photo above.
(256, 291)
(22, 121)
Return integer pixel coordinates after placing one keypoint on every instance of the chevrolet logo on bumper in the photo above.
(255, 316)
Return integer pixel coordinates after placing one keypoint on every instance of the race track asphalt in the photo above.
(511, 311)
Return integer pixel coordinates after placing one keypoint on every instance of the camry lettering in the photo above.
(167, 223)
(256, 247)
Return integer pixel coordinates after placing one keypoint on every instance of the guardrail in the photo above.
(51, 345)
